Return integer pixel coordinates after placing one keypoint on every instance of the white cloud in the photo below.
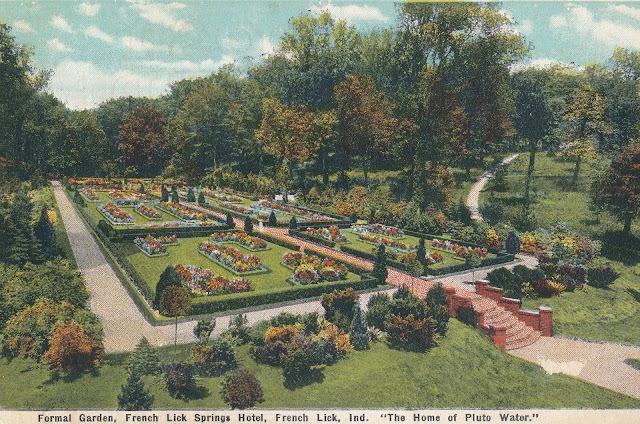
(526, 26)
(632, 12)
(23, 26)
(352, 12)
(135, 44)
(58, 22)
(267, 48)
(88, 9)
(82, 85)
(95, 32)
(581, 21)
(543, 63)
(207, 65)
(58, 45)
(162, 14)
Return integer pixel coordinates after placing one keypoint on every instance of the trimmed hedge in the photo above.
(120, 234)
(208, 305)
(315, 239)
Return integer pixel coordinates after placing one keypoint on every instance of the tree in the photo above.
(586, 120)
(380, 265)
(24, 246)
(436, 296)
(175, 301)
(230, 222)
(203, 329)
(164, 194)
(273, 221)
(46, 235)
(175, 198)
(169, 277)
(201, 200)
(144, 141)
(144, 359)
(359, 335)
(293, 223)
(191, 197)
(72, 349)
(297, 368)
(619, 188)
(134, 396)
(422, 251)
(248, 225)
(213, 358)
(241, 389)
(512, 245)
(180, 379)
(364, 120)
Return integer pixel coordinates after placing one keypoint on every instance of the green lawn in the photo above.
(187, 254)
(465, 370)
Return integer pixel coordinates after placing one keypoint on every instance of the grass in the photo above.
(389, 377)
(555, 197)
(633, 362)
(610, 314)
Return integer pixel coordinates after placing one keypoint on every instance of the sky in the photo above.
(99, 49)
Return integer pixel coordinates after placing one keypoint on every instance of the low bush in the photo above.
(510, 284)
(411, 331)
(467, 315)
(241, 390)
(297, 368)
(602, 276)
(213, 358)
(572, 277)
(324, 353)
(378, 314)
(547, 288)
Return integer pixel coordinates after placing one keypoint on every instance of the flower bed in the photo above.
(332, 234)
(387, 242)
(90, 194)
(221, 197)
(169, 240)
(307, 216)
(115, 214)
(178, 224)
(433, 258)
(151, 246)
(250, 242)
(387, 231)
(203, 282)
(148, 212)
(458, 250)
(231, 258)
(237, 208)
(182, 211)
(116, 195)
(310, 269)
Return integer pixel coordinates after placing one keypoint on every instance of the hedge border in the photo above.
(320, 240)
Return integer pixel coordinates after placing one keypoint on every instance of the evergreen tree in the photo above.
(273, 221)
(512, 244)
(175, 199)
(422, 251)
(79, 199)
(230, 222)
(164, 194)
(436, 296)
(134, 396)
(169, 277)
(24, 246)
(141, 190)
(46, 235)
(191, 196)
(144, 359)
(248, 225)
(201, 200)
(293, 223)
(359, 335)
(380, 265)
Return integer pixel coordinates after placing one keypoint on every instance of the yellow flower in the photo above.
(53, 218)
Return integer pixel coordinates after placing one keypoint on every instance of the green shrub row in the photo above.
(123, 234)
(315, 239)
(208, 305)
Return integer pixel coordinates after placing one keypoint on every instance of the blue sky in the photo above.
(102, 49)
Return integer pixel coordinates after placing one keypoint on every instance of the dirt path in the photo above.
(473, 198)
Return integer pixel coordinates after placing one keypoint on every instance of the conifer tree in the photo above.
(422, 251)
(230, 221)
(201, 198)
(248, 225)
(191, 196)
(169, 277)
(46, 235)
(273, 221)
(144, 359)
(380, 265)
(293, 223)
(24, 246)
(175, 199)
(164, 194)
(134, 396)
(359, 335)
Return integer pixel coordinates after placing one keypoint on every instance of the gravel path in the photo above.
(473, 198)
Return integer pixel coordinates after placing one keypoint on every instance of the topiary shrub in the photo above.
(241, 390)
(169, 277)
(273, 221)
(164, 194)
(422, 251)
(214, 358)
(230, 221)
(293, 223)
(180, 379)
(512, 245)
(191, 196)
(248, 225)
(175, 199)
(601, 276)
(380, 271)
(359, 336)
(201, 200)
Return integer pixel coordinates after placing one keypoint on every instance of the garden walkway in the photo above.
(473, 199)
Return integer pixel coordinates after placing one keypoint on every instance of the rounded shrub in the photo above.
(241, 390)
(179, 379)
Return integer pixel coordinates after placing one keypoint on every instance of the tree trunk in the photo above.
(215, 157)
(627, 226)
(325, 172)
(175, 338)
(527, 185)
(577, 170)
(364, 169)
(412, 172)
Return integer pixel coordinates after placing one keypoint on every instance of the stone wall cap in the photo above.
(546, 308)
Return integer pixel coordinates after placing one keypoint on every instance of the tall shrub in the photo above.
(359, 335)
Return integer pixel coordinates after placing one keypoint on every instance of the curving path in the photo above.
(473, 198)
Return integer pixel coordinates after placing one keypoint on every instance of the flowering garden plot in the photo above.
(222, 197)
(232, 259)
(90, 194)
(385, 230)
(169, 240)
(237, 208)
(151, 246)
(310, 269)
(116, 195)
(150, 213)
(332, 234)
(306, 216)
(115, 214)
(241, 238)
(203, 282)
(387, 242)
(182, 211)
(433, 258)
(458, 250)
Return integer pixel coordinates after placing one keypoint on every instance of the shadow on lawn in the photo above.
(315, 376)
(618, 247)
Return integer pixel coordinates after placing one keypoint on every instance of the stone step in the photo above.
(526, 338)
